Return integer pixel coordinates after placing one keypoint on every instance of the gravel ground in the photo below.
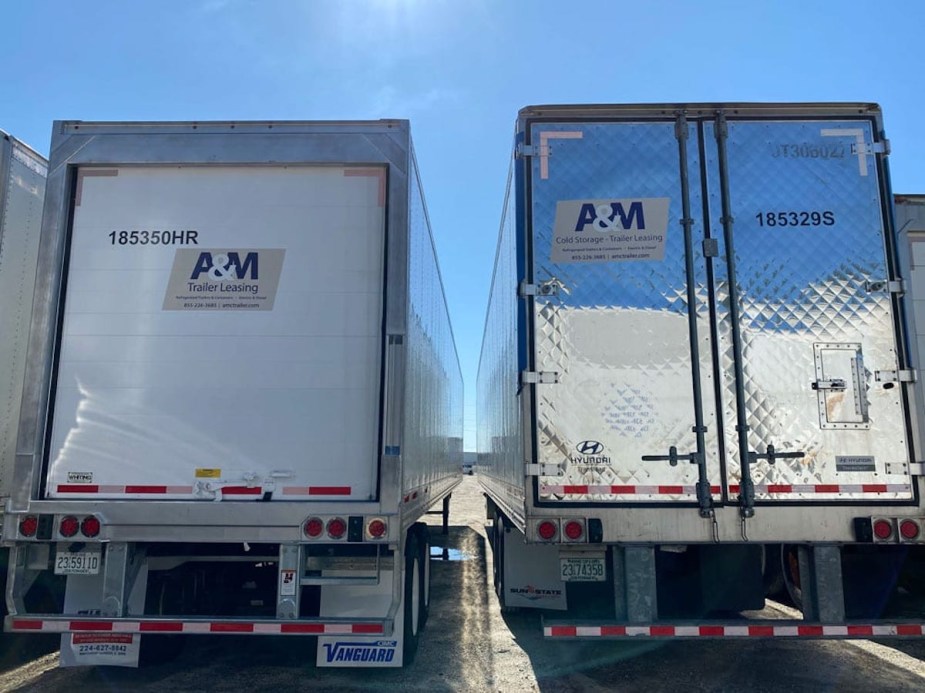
(469, 645)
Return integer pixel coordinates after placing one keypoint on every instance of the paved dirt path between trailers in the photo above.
(470, 646)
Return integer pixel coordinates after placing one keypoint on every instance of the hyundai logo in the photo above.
(590, 447)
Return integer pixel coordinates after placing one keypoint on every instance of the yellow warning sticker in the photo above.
(208, 473)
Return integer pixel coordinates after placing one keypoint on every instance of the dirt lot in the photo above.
(470, 646)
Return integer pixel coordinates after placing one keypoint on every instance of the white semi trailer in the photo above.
(22, 191)
(695, 372)
(242, 392)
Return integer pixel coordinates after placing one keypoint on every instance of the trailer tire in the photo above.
(413, 594)
(169, 597)
(424, 538)
(790, 569)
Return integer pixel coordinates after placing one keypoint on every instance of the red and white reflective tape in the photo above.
(771, 489)
(316, 490)
(682, 490)
(154, 490)
(36, 625)
(636, 490)
(141, 489)
(740, 631)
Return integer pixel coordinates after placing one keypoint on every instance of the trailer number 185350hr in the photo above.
(582, 569)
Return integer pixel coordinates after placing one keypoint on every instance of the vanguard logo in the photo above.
(227, 266)
(607, 216)
(381, 651)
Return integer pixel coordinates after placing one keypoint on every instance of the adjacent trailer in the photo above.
(22, 190)
(242, 391)
(694, 381)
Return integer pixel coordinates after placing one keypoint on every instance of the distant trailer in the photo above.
(695, 379)
(242, 391)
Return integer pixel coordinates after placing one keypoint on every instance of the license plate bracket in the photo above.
(584, 569)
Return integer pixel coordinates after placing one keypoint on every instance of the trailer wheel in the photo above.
(424, 537)
(412, 599)
(790, 568)
(169, 598)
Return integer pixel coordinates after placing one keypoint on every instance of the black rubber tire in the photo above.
(499, 560)
(412, 593)
(790, 570)
(424, 539)
(774, 586)
(169, 598)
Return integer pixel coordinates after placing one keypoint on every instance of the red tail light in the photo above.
(28, 526)
(336, 528)
(69, 526)
(376, 529)
(883, 529)
(547, 530)
(90, 527)
(909, 529)
(574, 530)
(313, 527)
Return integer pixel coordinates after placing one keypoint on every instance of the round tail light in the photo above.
(883, 529)
(28, 526)
(547, 530)
(909, 529)
(574, 530)
(336, 528)
(69, 526)
(313, 527)
(90, 527)
(376, 529)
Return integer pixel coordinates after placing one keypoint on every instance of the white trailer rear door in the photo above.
(221, 335)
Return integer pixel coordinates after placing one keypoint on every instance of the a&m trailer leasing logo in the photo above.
(224, 279)
(610, 230)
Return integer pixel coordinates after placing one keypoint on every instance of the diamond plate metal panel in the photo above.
(808, 236)
(616, 332)
(432, 441)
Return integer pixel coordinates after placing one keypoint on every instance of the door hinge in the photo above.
(917, 469)
(524, 150)
(542, 470)
(547, 288)
(902, 376)
(541, 377)
(878, 286)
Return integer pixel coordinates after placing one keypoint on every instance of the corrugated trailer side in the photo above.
(22, 191)
(695, 379)
(242, 331)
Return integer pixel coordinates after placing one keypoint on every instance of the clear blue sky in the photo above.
(459, 70)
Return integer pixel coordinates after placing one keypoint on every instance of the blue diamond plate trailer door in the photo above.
(817, 329)
(611, 313)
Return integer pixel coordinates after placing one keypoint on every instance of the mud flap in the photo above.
(83, 596)
(360, 601)
(532, 574)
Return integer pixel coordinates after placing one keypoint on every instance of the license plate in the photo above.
(582, 569)
(77, 563)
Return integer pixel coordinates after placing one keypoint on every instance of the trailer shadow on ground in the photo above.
(672, 665)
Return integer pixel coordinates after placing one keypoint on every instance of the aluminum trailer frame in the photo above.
(703, 504)
(411, 476)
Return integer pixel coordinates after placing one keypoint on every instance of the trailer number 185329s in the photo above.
(582, 569)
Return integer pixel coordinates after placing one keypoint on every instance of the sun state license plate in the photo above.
(582, 569)
(77, 563)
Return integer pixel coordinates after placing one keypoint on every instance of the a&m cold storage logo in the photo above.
(613, 230)
(224, 279)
